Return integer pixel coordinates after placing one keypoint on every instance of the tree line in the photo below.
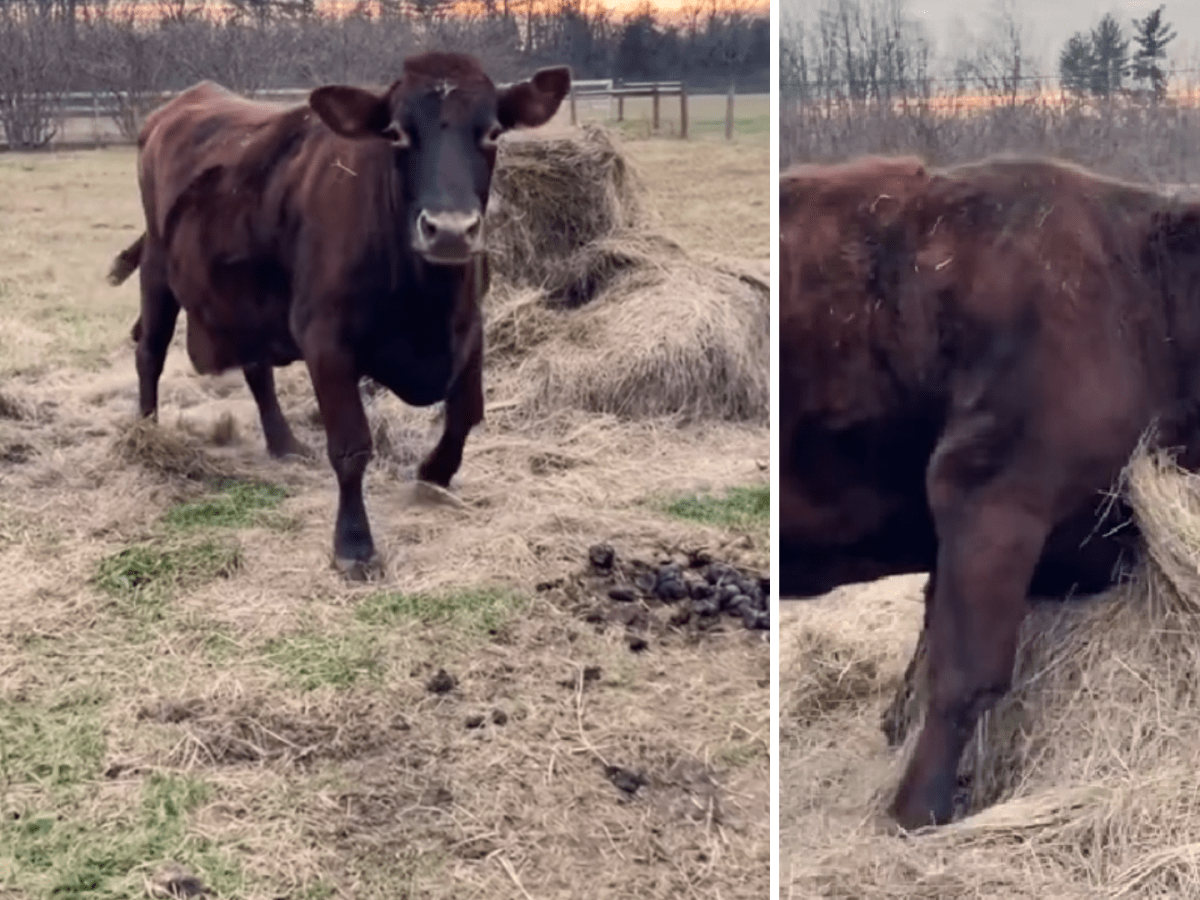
(875, 50)
(132, 54)
(1099, 61)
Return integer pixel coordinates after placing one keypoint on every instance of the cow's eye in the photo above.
(490, 137)
(398, 135)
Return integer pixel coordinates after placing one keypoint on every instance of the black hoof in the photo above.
(359, 569)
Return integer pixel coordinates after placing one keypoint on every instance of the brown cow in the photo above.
(347, 232)
(967, 359)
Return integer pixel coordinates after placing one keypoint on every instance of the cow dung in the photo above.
(1095, 753)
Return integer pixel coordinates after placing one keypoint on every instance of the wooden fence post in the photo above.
(683, 122)
(654, 99)
(620, 108)
(573, 120)
(729, 113)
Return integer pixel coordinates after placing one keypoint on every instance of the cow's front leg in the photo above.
(464, 410)
(991, 532)
(348, 439)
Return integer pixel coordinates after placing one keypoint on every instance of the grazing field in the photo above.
(191, 698)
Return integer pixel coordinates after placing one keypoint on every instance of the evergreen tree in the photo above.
(1075, 64)
(1110, 57)
(1151, 35)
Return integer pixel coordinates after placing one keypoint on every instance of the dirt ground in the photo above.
(192, 701)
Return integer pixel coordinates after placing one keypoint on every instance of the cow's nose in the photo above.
(449, 237)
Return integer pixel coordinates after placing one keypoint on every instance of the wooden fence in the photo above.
(90, 117)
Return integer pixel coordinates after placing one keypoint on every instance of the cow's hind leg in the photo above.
(464, 410)
(991, 535)
(260, 378)
(160, 311)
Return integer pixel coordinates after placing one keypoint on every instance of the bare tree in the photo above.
(33, 74)
(999, 62)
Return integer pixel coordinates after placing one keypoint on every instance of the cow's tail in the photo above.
(127, 261)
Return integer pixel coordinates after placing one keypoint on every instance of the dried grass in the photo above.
(606, 315)
(553, 197)
(319, 789)
(168, 452)
(1080, 783)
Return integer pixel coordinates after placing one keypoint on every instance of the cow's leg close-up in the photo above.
(348, 441)
(464, 410)
(160, 311)
(990, 538)
(281, 442)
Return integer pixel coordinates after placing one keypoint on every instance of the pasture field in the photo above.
(192, 700)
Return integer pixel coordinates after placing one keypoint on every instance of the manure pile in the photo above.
(591, 309)
(1083, 782)
(689, 590)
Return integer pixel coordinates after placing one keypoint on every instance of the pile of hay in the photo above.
(554, 199)
(592, 310)
(166, 452)
(1085, 780)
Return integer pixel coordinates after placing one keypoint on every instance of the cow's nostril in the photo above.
(474, 227)
(427, 226)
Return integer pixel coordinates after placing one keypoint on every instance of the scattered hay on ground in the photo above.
(167, 452)
(1082, 781)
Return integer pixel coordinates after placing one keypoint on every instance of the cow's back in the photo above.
(199, 130)
(842, 247)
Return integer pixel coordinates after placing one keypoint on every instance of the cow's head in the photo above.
(442, 120)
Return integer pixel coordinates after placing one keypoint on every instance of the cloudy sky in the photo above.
(1048, 23)
(1051, 22)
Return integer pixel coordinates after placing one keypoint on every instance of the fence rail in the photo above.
(105, 111)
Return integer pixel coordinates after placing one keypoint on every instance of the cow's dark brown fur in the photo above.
(347, 233)
(967, 359)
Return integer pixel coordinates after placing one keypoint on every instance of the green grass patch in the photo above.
(238, 504)
(147, 574)
(85, 852)
(54, 747)
(313, 661)
(479, 610)
(148, 569)
(740, 509)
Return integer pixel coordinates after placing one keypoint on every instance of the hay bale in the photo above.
(590, 310)
(553, 197)
(1093, 757)
(676, 340)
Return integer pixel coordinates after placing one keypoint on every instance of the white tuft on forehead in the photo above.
(444, 87)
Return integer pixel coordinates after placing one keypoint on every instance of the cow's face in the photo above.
(443, 120)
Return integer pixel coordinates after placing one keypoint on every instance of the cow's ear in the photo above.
(351, 112)
(531, 103)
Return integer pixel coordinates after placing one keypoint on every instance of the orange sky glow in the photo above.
(666, 10)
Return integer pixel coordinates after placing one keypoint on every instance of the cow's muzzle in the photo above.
(448, 238)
